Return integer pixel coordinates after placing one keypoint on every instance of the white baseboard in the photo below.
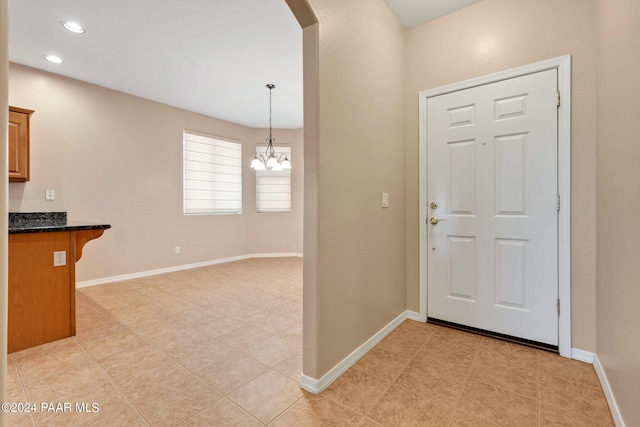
(608, 393)
(582, 356)
(278, 255)
(317, 386)
(413, 315)
(148, 273)
(592, 359)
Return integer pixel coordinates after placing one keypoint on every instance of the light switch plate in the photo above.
(59, 258)
(385, 200)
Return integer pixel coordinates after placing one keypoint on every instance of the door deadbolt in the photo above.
(433, 205)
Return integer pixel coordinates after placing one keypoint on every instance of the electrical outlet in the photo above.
(177, 249)
(59, 258)
(49, 195)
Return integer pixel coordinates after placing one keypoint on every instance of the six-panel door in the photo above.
(492, 170)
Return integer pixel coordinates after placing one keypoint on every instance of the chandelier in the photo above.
(270, 159)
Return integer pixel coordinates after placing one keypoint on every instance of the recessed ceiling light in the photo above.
(53, 58)
(73, 27)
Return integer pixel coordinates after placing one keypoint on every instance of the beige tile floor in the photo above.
(221, 346)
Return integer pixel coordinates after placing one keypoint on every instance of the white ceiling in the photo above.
(415, 12)
(212, 57)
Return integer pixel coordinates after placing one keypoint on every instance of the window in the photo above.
(273, 188)
(212, 175)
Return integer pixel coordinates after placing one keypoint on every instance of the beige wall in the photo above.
(618, 197)
(355, 272)
(496, 35)
(116, 158)
(311, 124)
(4, 118)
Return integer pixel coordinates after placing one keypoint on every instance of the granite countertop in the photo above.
(39, 222)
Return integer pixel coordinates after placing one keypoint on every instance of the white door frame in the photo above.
(563, 65)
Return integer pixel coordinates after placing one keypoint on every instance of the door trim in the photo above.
(563, 65)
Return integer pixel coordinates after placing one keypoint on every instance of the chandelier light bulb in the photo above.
(286, 164)
(272, 162)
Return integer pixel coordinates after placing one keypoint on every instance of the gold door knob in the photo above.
(433, 220)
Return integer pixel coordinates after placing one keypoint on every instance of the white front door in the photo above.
(492, 156)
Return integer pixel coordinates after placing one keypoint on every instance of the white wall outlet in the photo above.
(177, 249)
(49, 195)
(385, 200)
(59, 258)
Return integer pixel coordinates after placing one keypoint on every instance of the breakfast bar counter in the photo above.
(43, 250)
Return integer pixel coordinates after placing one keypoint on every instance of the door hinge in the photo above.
(558, 306)
(558, 98)
(558, 203)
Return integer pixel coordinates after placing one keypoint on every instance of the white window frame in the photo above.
(212, 174)
(273, 188)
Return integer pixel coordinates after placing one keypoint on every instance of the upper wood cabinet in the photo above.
(19, 144)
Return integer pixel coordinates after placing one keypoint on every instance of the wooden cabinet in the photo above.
(41, 296)
(19, 144)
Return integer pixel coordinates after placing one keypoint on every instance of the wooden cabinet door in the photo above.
(19, 144)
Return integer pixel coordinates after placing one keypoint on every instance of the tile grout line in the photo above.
(574, 382)
(169, 356)
(394, 381)
(539, 389)
(208, 406)
(465, 382)
(349, 407)
(283, 411)
(243, 352)
(24, 389)
(108, 377)
(146, 341)
(110, 306)
(223, 395)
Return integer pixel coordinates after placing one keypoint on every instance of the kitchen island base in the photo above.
(42, 285)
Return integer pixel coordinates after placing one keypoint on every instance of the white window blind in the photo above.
(273, 188)
(212, 175)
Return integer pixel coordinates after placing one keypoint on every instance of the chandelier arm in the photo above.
(267, 151)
